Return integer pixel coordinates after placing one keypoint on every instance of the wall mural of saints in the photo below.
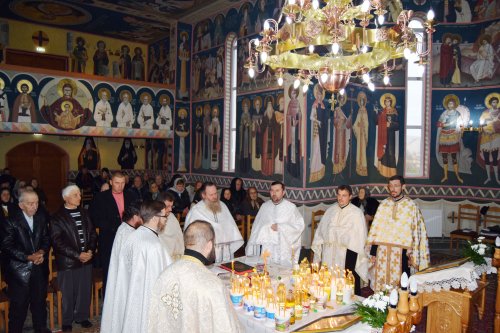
(341, 135)
(466, 59)
(182, 131)
(272, 145)
(257, 134)
(387, 136)
(103, 115)
(451, 153)
(245, 137)
(66, 104)
(184, 55)
(24, 108)
(89, 156)
(125, 115)
(320, 122)
(294, 132)
(198, 147)
(214, 131)
(4, 104)
(145, 117)
(361, 129)
(127, 156)
(489, 138)
(164, 119)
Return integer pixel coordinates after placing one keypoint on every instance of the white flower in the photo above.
(413, 328)
(381, 305)
(366, 301)
(480, 239)
(385, 299)
(481, 251)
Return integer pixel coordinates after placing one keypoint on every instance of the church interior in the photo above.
(181, 87)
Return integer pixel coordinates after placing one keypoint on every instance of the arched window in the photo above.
(230, 92)
(416, 140)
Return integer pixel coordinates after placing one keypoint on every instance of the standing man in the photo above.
(210, 209)
(397, 237)
(171, 236)
(74, 241)
(367, 204)
(117, 285)
(25, 245)
(187, 297)
(106, 213)
(341, 236)
(278, 227)
(143, 258)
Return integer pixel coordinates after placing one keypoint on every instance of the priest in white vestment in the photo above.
(112, 311)
(397, 239)
(143, 258)
(211, 209)
(171, 237)
(341, 236)
(278, 228)
(188, 298)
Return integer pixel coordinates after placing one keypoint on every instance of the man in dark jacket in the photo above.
(25, 246)
(106, 213)
(74, 241)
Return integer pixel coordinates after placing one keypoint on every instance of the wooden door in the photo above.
(44, 161)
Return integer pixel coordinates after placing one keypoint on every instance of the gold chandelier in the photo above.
(333, 41)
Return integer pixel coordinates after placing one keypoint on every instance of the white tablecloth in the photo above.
(253, 325)
(462, 277)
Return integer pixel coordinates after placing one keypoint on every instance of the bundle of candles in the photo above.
(310, 287)
(405, 310)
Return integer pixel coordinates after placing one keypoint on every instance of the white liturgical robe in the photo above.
(188, 298)
(171, 238)
(226, 230)
(143, 258)
(341, 229)
(117, 285)
(286, 239)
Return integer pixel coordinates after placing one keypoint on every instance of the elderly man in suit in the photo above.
(74, 241)
(106, 213)
(25, 245)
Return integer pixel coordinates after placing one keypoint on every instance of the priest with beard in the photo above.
(142, 258)
(278, 228)
(117, 285)
(187, 296)
(340, 238)
(210, 209)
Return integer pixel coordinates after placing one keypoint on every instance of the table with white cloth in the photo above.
(451, 294)
(253, 325)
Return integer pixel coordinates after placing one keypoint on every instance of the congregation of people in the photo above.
(154, 241)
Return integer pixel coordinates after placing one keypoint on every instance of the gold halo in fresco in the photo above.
(65, 82)
(50, 12)
(102, 90)
(24, 82)
(199, 111)
(246, 102)
(145, 94)
(215, 111)
(67, 103)
(319, 89)
(126, 93)
(164, 96)
(183, 113)
(2, 84)
(487, 99)
(388, 96)
(451, 98)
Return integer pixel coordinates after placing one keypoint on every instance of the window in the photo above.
(416, 148)
(229, 138)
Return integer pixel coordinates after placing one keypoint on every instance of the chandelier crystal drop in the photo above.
(333, 41)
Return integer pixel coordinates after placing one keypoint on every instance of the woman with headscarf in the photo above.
(367, 204)
(238, 194)
(6, 204)
(127, 157)
(181, 195)
(225, 197)
(252, 202)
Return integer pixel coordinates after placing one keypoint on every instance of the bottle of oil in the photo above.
(281, 297)
(290, 306)
(298, 304)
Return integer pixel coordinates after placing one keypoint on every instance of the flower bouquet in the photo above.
(476, 251)
(373, 310)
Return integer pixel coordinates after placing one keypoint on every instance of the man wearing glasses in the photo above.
(143, 258)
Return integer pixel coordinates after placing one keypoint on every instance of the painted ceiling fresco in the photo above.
(140, 20)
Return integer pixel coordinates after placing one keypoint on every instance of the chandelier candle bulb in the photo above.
(407, 53)
(296, 84)
(335, 48)
(266, 25)
(251, 72)
(366, 77)
(387, 80)
(364, 49)
(342, 92)
(324, 77)
(263, 56)
(311, 48)
(365, 7)
(291, 2)
(280, 81)
(315, 4)
(430, 15)
(381, 19)
(413, 286)
(305, 88)
(371, 86)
